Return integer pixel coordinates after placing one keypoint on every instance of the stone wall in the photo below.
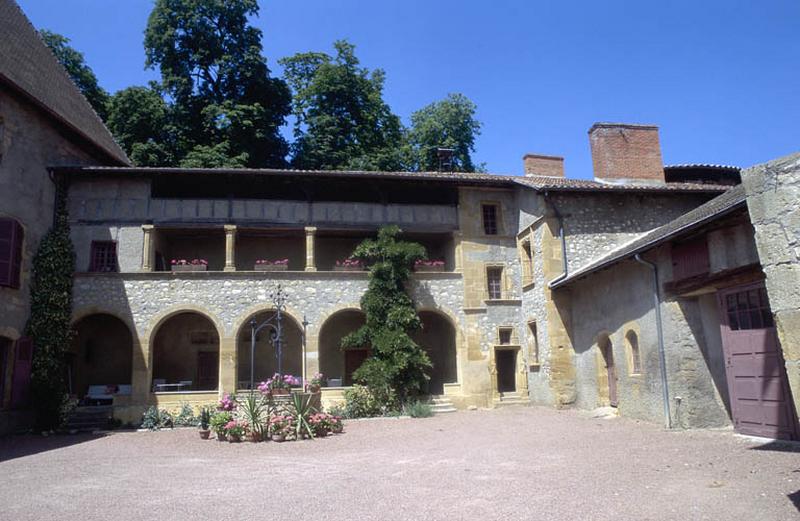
(773, 201)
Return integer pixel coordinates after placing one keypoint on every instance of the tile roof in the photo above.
(536, 182)
(27, 64)
(705, 213)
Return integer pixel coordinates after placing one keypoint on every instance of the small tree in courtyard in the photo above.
(397, 366)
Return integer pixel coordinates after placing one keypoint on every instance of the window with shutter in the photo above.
(104, 256)
(11, 235)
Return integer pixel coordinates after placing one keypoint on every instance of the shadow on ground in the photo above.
(21, 445)
(779, 446)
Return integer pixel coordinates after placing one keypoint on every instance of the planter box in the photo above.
(429, 269)
(271, 267)
(189, 267)
(348, 268)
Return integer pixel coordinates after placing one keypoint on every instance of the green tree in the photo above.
(449, 123)
(217, 80)
(398, 365)
(49, 324)
(139, 118)
(75, 64)
(341, 119)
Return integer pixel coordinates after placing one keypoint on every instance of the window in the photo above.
(690, 259)
(504, 335)
(748, 309)
(527, 263)
(533, 344)
(104, 256)
(11, 235)
(494, 282)
(635, 366)
(489, 212)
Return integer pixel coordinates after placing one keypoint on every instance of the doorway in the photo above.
(506, 362)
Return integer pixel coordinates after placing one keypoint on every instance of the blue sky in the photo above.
(721, 78)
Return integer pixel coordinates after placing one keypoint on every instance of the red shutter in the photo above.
(21, 377)
(690, 259)
(10, 252)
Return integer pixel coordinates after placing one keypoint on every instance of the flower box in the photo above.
(189, 267)
(435, 269)
(271, 267)
(348, 268)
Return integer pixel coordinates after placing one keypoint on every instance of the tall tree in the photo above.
(214, 74)
(75, 64)
(341, 119)
(449, 123)
(139, 118)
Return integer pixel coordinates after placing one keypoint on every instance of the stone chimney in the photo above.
(623, 152)
(537, 164)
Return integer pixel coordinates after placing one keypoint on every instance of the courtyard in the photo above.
(509, 463)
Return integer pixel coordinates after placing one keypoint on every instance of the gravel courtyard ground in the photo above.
(514, 463)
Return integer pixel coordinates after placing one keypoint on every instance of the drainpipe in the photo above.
(660, 333)
(563, 240)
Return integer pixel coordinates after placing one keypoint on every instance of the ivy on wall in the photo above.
(49, 324)
(396, 369)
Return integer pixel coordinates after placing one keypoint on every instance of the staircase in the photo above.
(89, 418)
(441, 404)
(512, 398)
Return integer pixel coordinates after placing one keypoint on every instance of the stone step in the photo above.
(442, 405)
(89, 418)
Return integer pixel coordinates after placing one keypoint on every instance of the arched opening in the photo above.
(265, 353)
(438, 338)
(100, 356)
(186, 354)
(338, 365)
(607, 379)
(634, 357)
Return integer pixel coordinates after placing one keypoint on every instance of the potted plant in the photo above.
(320, 423)
(280, 427)
(192, 265)
(272, 265)
(252, 408)
(279, 384)
(429, 265)
(314, 385)
(349, 265)
(337, 425)
(205, 420)
(218, 422)
(235, 430)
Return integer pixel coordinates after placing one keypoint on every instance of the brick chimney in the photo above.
(623, 152)
(537, 164)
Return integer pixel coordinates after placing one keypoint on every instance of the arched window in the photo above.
(634, 357)
(11, 236)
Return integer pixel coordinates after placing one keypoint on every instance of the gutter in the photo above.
(662, 357)
(562, 238)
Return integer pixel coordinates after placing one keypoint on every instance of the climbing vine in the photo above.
(397, 366)
(51, 314)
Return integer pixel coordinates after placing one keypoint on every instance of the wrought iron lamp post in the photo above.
(275, 322)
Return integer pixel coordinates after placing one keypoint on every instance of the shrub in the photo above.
(204, 420)
(419, 410)
(185, 417)
(155, 419)
(219, 420)
(360, 402)
(337, 410)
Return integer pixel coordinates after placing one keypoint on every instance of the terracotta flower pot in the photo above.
(204, 434)
(312, 388)
(254, 437)
(221, 436)
(337, 428)
(271, 267)
(234, 439)
(279, 437)
(189, 267)
(279, 392)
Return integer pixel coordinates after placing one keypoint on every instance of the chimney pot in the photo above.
(626, 152)
(541, 165)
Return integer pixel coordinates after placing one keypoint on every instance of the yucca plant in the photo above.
(301, 411)
(254, 411)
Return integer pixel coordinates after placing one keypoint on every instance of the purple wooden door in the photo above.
(21, 377)
(760, 397)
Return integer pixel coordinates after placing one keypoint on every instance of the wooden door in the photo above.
(761, 401)
(207, 370)
(506, 363)
(611, 370)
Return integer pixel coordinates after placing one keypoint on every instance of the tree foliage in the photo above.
(49, 324)
(397, 365)
(139, 118)
(341, 119)
(449, 123)
(217, 81)
(75, 64)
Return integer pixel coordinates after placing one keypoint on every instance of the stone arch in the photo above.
(606, 370)
(100, 354)
(158, 320)
(439, 338)
(185, 347)
(265, 356)
(337, 365)
(633, 351)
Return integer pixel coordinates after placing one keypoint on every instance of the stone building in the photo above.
(622, 291)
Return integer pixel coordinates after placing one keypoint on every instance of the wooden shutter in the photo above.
(21, 378)
(10, 252)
